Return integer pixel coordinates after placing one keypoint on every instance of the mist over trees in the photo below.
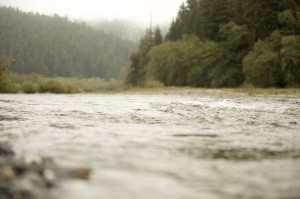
(55, 46)
(226, 43)
(120, 28)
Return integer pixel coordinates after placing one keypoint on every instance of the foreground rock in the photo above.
(31, 177)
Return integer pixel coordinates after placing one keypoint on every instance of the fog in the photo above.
(90, 10)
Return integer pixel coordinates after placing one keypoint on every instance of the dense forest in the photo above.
(227, 43)
(55, 46)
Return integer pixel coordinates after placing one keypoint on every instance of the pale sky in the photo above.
(137, 10)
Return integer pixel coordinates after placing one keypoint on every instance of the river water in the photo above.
(211, 145)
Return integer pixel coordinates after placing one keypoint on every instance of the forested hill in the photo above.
(55, 46)
(224, 43)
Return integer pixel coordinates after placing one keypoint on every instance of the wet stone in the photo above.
(6, 149)
(32, 177)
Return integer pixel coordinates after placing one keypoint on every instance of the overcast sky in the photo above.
(137, 10)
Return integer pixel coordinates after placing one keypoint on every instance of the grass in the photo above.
(34, 83)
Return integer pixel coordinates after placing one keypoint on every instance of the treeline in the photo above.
(55, 46)
(226, 43)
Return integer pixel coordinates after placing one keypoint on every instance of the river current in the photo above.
(210, 145)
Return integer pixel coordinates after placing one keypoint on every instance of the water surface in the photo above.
(186, 146)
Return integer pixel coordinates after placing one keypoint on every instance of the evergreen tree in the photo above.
(174, 31)
(136, 74)
(157, 36)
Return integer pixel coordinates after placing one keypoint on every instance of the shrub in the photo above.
(52, 86)
(29, 87)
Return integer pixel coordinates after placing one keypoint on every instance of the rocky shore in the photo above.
(32, 177)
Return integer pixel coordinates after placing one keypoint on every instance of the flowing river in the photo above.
(210, 144)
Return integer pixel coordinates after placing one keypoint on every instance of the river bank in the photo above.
(35, 83)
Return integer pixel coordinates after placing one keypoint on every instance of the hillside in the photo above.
(56, 46)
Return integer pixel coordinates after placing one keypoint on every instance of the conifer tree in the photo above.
(157, 36)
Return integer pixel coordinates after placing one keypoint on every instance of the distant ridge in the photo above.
(56, 46)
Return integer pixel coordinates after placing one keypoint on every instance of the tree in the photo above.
(290, 21)
(212, 14)
(136, 74)
(233, 45)
(168, 62)
(157, 36)
(262, 65)
(182, 63)
(290, 54)
(174, 33)
(176, 29)
(204, 60)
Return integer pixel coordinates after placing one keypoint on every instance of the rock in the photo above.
(7, 172)
(6, 149)
(32, 177)
(82, 173)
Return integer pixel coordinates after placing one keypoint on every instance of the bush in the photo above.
(29, 87)
(6, 85)
(52, 86)
(154, 84)
(262, 66)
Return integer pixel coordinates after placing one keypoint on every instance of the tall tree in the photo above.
(136, 74)
(262, 66)
(157, 36)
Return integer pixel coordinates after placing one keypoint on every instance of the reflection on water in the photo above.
(213, 145)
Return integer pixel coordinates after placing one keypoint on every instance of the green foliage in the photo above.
(136, 74)
(55, 46)
(29, 87)
(52, 86)
(34, 83)
(246, 49)
(290, 19)
(158, 39)
(211, 43)
(262, 65)
(5, 83)
(233, 45)
(290, 54)
(182, 63)
(4, 64)
(193, 62)
(204, 60)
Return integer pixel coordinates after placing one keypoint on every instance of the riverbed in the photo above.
(212, 145)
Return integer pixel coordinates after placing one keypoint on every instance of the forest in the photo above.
(228, 43)
(210, 44)
(55, 46)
